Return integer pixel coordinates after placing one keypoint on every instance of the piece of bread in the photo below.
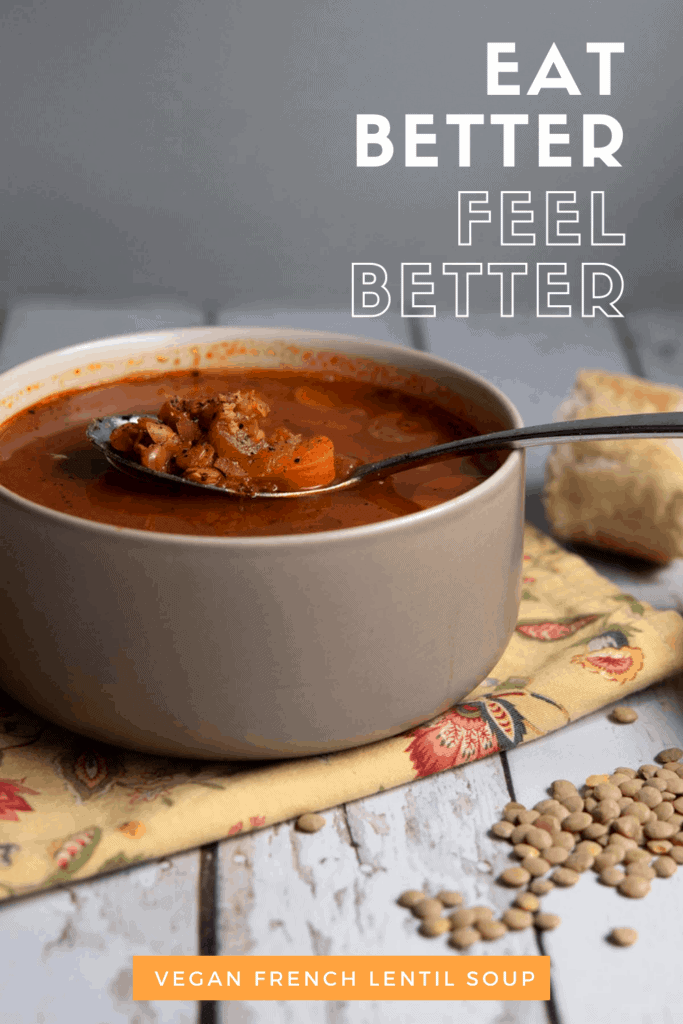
(624, 494)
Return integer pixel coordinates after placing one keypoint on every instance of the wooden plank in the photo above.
(335, 892)
(67, 955)
(578, 948)
(533, 360)
(39, 325)
(594, 980)
(80, 941)
(391, 328)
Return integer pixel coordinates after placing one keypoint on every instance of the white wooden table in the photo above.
(67, 955)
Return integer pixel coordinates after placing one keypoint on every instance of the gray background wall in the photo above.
(206, 149)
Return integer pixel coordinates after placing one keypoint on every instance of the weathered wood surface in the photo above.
(39, 325)
(594, 981)
(335, 892)
(68, 954)
(389, 327)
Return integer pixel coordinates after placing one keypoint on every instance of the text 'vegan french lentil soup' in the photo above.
(46, 457)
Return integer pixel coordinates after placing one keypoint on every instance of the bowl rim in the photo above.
(316, 538)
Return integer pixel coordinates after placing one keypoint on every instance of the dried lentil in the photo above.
(546, 922)
(561, 788)
(623, 936)
(605, 860)
(310, 822)
(519, 834)
(631, 786)
(527, 817)
(623, 714)
(634, 887)
(536, 866)
(427, 908)
(522, 850)
(491, 930)
(659, 845)
(579, 861)
(606, 791)
(664, 867)
(539, 838)
(576, 822)
(511, 813)
(565, 839)
(659, 829)
(549, 822)
(527, 901)
(449, 897)
(547, 806)
(641, 869)
(565, 876)
(588, 846)
(670, 754)
(639, 854)
(410, 898)
(463, 938)
(595, 831)
(462, 918)
(594, 780)
(517, 919)
(542, 886)
(606, 811)
(573, 803)
(515, 877)
(433, 926)
(627, 826)
(612, 876)
(555, 855)
(514, 805)
(639, 810)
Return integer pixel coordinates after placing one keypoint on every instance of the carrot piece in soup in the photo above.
(307, 463)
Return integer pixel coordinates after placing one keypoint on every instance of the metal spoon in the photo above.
(662, 424)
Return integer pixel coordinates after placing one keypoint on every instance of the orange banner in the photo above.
(341, 977)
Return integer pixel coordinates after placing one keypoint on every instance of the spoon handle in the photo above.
(604, 428)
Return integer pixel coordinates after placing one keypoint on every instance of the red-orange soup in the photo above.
(45, 456)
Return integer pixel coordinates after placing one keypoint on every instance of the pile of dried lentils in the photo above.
(627, 826)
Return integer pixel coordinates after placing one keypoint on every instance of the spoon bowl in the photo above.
(664, 424)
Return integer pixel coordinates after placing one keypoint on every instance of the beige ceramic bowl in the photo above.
(254, 647)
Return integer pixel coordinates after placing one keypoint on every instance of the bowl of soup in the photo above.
(192, 623)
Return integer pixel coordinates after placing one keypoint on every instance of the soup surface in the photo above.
(46, 457)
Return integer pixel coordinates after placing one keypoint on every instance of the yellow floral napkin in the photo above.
(71, 808)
